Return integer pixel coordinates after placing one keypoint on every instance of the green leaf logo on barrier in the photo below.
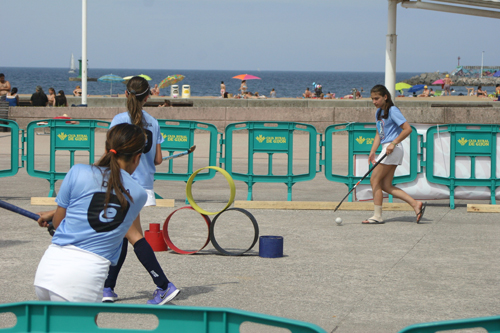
(360, 139)
(260, 138)
(62, 136)
(463, 141)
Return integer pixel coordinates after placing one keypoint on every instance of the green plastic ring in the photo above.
(189, 195)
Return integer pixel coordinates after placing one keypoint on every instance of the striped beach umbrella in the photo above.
(172, 79)
(110, 78)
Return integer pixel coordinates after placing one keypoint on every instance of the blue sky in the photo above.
(321, 35)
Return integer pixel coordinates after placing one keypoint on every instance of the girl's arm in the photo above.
(376, 143)
(158, 156)
(56, 216)
(403, 135)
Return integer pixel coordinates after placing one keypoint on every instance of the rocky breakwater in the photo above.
(429, 78)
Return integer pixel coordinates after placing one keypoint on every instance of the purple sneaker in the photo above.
(109, 296)
(161, 296)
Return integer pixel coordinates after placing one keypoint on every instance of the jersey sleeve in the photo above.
(64, 195)
(396, 116)
(159, 137)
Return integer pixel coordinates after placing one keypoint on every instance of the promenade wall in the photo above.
(319, 113)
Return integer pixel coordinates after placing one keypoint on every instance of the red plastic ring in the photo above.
(169, 241)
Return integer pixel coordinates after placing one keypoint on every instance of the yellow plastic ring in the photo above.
(189, 195)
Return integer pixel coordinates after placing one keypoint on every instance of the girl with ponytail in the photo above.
(392, 129)
(96, 206)
(137, 93)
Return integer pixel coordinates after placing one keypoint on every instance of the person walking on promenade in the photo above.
(39, 98)
(4, 87)
(137, 94)
(447, 85)
(96, 206)
(392, 129)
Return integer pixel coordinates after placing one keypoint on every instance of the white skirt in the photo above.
(151, 198)
(395, 158)
(74, 274)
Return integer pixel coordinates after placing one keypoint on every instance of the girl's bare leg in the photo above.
(397, 192)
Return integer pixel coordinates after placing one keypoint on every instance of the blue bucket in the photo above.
(270, 246)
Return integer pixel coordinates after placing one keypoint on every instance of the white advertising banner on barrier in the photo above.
(420, 188)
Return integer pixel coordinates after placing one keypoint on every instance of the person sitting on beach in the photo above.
(358, 94)
(328, 95)
(155, 91)
(480, 92)
(165, 104)
(12, 98)
(497, 90)
(470, 91)
(256, 95)
(61, 99)
(77, 91)
(431, 93)
(307, 93)
(425, 93)
(243, 87)
(272, 94)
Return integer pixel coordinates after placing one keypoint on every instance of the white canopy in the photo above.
(466, 7)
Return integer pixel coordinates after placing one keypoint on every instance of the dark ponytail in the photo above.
(123, 142)
(382, 91)
(138, 89)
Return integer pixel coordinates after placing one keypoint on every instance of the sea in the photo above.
(289, 84)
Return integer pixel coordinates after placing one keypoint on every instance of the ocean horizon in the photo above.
(289, 84)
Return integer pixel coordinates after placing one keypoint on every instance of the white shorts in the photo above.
(395, 158)
(151, 198)
(71, 273)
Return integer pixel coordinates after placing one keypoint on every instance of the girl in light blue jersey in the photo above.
(392, 129)
(96, 206)
(137, 94)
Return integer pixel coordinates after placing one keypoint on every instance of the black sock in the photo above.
(147, 257)
(115, 270)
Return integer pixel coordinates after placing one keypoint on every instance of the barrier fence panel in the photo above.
(14, 146)
(179, 135)
(360, 141)
(472, 160)
(72, 136)
(270, 138)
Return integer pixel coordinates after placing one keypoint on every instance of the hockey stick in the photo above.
(187, 152)
(352, 189)
(26, 213)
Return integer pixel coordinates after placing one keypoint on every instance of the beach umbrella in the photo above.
(127, 78)
(172, 79)
(497, 74)
(416, 88)
(110, 78)
(246, 77)
(403, 85)
(437, 82)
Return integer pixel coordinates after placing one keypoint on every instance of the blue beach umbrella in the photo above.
(497, 74)
(416, 88)
(110, 78)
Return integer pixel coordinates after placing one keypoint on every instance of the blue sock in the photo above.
(115, 270)
(147, 257)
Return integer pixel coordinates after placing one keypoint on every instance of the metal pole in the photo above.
(390, 49)
(482, 57)
(84, 52)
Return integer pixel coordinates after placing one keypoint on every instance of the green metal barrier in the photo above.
(360, 140)
(74, 135)
(270, 138)
(472, 140)
(14, 147)
(36, 316)
(179, 136)
(490, 324)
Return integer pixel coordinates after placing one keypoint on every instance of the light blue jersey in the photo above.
(144, 174)
(86, 225)
(389, 129)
